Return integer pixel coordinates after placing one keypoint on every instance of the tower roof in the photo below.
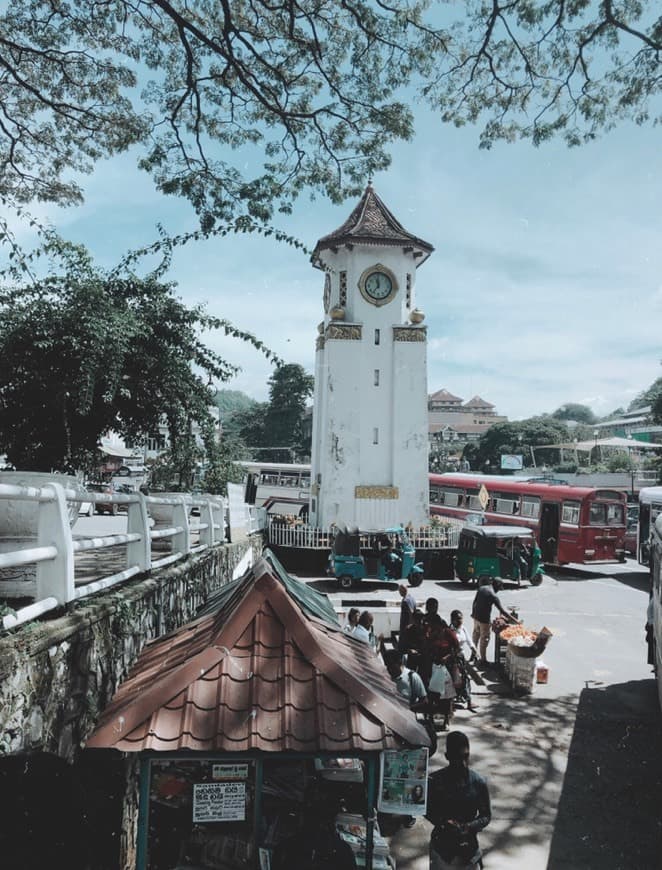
(477, 402)
(445, 396)
(371, 223)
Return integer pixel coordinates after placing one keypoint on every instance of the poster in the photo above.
(403, 782)
(219, 802)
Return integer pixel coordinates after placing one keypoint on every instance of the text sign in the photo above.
(219, 802)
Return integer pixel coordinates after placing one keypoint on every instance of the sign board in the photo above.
(483, 496)
(403, 782)
(219, 802)
(229, 772)
(512, 462)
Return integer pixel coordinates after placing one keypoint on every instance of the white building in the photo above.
(370, 421)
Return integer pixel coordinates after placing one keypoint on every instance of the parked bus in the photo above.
(650, 507)
(655, 542)
(572, 523)
(287, 483)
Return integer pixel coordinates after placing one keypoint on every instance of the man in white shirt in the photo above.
(468, 653)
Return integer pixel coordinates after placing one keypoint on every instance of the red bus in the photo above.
(572, 523)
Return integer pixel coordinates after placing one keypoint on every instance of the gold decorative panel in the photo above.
(409, 333)
(351, 332)
(382, 492)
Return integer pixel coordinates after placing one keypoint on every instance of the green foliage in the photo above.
(85, 351)
(239, 107)
(578, 413)
(517, 438)
(651, 396)
(228, 401)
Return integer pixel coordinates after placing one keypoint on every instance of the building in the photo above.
(635, 424)
(369, 445)
(451, 419)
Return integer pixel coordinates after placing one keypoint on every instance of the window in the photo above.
(342, 296)
(450, 497)
(289, 479)
(598, 514)
(530, 506)
(435, 495)
(474, 503)
(504, 503)
(570, 513)
(376, 377)
(376, 336)
(375, 435)
(615, 515)
(305, 481)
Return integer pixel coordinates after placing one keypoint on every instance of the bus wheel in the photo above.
(345, 582)
(537, 580)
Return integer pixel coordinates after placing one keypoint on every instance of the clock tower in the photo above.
(370, 427)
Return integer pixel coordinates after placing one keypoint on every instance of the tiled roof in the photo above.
(257, 674)
(372, 223)
(477, 402)
(443, 396)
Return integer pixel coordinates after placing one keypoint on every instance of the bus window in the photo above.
(270, 479)
(598, 514)
(304, 483)
(530, 506)
(570, 513)
(474, 502)
(615, 515)
(289, 479)
(434, 495)
(505, 504)
(450, 497)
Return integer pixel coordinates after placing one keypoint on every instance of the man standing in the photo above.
(458, 807)
(468, 653)
(407, 607)
(486, 598)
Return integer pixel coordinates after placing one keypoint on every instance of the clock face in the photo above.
(378, 284)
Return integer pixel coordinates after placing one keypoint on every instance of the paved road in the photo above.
(576, 767)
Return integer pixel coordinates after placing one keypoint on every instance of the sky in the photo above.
(545, 286)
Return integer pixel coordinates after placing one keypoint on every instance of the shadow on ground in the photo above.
(609, 813)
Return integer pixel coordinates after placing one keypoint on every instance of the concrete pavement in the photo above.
(575, 768)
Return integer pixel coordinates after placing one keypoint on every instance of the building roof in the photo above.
(372, 223)
(258, 673)
(444, 396)
(477, 402)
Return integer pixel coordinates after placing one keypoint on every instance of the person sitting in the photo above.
(392, 563)
(352, 620)
(318, 845)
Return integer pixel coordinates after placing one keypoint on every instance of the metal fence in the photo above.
(53, 549)
(282, 533)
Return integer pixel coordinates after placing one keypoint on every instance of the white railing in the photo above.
(55, 547)
(283, 533)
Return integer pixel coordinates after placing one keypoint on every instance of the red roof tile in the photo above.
(264, 676)
(444, 396)
(477, 402)
(372, 223)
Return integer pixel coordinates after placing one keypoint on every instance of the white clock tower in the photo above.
(370, 427)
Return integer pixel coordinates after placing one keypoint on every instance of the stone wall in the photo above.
(58, 674)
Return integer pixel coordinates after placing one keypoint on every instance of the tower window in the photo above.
(376, 336)
(343, 290)
(408, 286)
(376, 377)
(375, 435)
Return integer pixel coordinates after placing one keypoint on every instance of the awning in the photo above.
(116, 450)
(587, 446)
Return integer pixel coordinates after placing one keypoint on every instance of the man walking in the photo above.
(486, 598)
(458, 807)
(407, 608)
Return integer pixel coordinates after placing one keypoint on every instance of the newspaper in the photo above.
(403, 782)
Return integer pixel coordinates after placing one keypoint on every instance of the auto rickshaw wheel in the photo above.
(536, 580)
(345, 582)
(415, 579)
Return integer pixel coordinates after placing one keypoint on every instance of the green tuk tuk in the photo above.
(507, 552)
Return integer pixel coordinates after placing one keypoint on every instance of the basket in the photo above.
(537, 647)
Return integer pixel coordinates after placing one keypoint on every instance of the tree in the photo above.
(304, 88)
(85, 351)
(651, 396)
(312, 91)
(538, 68)
(515, 438)
(289, 388)
(576, 412)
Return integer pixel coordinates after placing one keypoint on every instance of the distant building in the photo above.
(451, 419)
(636, 424)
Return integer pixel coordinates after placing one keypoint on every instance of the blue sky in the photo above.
(545, 286)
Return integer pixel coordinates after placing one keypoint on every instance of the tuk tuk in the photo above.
(507, 552)
(386, 555)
